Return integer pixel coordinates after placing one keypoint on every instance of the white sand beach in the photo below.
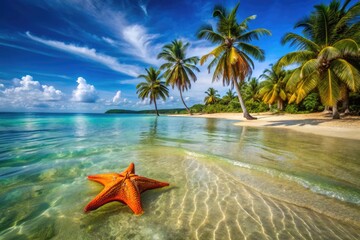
(315, 123)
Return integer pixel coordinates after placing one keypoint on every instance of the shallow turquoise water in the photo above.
(226, 182)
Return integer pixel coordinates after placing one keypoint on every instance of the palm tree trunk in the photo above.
(280, 105)
(327, 109)
(345, 104)
(242, 104)
(156, 110)
(335, 112)
(187, 109)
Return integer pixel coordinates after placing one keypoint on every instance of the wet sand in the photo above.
(315, 123)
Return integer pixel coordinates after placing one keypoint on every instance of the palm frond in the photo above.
(207, 32)
(329, 88)
(295, 57)
(329, 53)
(300, 42)
(348, 47)
(254, 34)
(252, 50)
(244, 23)
(346, 73)
(305, 86)
(309, 68)
(293, 80)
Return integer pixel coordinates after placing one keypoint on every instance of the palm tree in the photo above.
(152, 88)
(212, 96)
(229, 96)
(178, 68)
(232, 60)
(326, 52)
(252, 89)
(274, 87)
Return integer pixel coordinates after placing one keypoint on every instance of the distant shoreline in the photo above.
(315, 123)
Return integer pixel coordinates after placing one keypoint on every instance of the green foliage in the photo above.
(197, 108)
(233, 106)
(251, 89)
(327, 53)
(212, 96)
(228, 97)
(292, 108)
(152, 88)
(311, 103)
(179, 69)
(256, 106)
(354, 103)
(231, 58)
(274, 87)
(120, 111)
(162, 111)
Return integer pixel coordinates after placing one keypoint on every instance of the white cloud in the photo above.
(25, 49)
(29, 89)
(133, 81)
(109, 41)
(171, 99)
(84, 92)
(139, 41)
(28, 93)
(116, 99)
(90, 54)
(2, 85)
(135, 39)
(146, 101)
(27, 84)
(143, 7)
(51, 94)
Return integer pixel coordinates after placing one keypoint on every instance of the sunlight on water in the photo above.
(226, 182)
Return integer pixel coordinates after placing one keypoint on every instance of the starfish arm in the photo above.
(105, 178)
(130, 195)
(130, 169)
(144, 183)
(108, 194)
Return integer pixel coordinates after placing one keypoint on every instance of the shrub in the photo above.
(255, 106)
(354, 103)
(292, 108)
(197, 108)
(311, 103)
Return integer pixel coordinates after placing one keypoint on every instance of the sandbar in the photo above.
(315, 123)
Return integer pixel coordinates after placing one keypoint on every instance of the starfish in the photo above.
(124, 187)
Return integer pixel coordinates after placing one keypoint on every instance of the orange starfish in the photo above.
(124, 187)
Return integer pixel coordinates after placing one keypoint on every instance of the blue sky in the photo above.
(85, 56)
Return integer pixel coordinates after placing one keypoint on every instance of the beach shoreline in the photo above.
(315, 123)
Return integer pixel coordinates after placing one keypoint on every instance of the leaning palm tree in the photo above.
(232, 60)
(178, 68)
(212, 96)
(274, 87)
(326, 53)
(153, 88)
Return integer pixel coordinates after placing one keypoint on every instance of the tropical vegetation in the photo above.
(212, 96)
(179, 69)
(274, 87)
(153, 88)
(231, 57)
(327, 54)
(322, 73)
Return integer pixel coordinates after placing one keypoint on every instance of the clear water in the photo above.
(226, 182)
